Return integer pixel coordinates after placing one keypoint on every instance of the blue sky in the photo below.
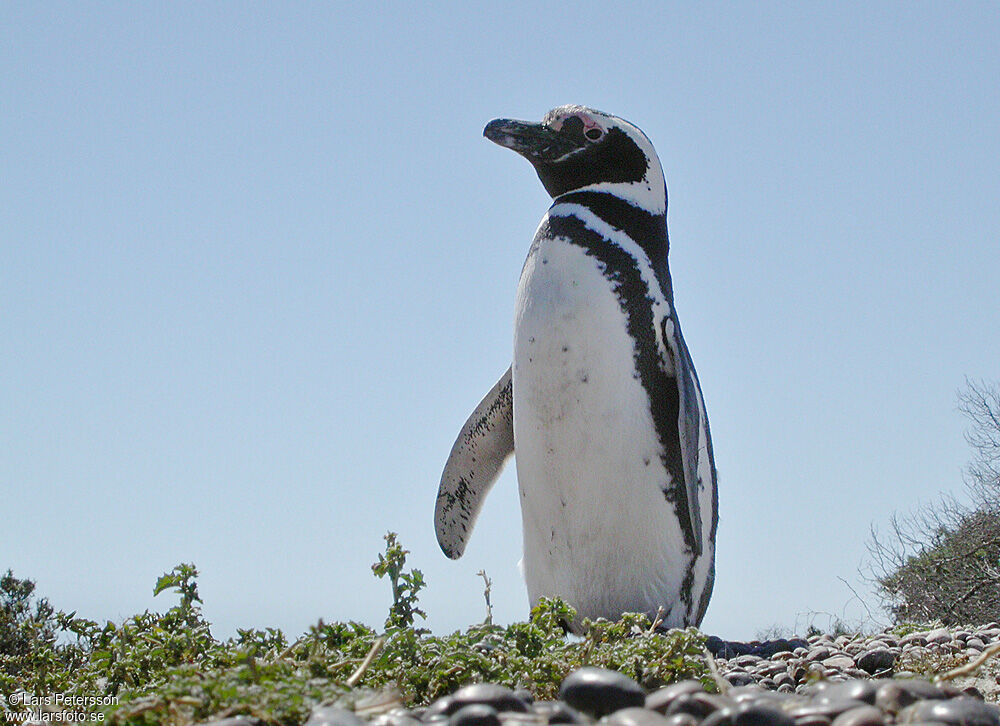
(258, 264)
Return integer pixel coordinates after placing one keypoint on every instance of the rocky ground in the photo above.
(787, 666)
(822, 680)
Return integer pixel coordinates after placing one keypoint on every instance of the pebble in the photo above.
(598, 691)
(475, 714)
(957, 711)
(557, 712)
(499, 698)
(634, 716)
(661, 699)
(331, 716)
(862, 681)
(876, 660)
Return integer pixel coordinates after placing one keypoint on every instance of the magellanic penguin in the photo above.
(602, 407)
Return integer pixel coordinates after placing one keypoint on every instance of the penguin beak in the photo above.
(535, 142)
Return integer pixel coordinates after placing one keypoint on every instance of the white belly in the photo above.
(598, 530)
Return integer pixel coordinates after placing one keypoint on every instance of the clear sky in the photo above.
(257, 265)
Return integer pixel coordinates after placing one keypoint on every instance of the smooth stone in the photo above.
(814, 719)
(440, 707)
(939, 635)
(749, 713)
(957, 711)
(876, 660)
(913, 690)
(770, 648)
(740, 679)
(557, 712)
(745, 694)
(863, 691)
(599, 692)
(819, 652)
(516, 718)
(475, 714)
(839, 662)
(396, 717)
(500, 698)
(771, 669)
(332, 716)
(913, 639)
(233, 721)
(760, 714)
(660, 699)
(856, 673)
(821, 707)
(635, 716)
(681, 719)
(721, 717)
(784, 679)
(699, 705)
(861, 716)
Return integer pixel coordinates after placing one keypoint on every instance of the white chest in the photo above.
(597, 528)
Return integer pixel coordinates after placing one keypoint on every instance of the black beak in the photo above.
(535, 142)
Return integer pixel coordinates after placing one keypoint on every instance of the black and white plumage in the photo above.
(601, 407)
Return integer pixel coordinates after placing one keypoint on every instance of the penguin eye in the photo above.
(594, 134)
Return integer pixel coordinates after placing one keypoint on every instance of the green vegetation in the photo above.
(169, 669)
(942, 561)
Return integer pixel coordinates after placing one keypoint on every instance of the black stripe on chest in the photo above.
(647, 230)
(636, 303)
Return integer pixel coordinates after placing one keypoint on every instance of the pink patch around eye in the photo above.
(588, 122)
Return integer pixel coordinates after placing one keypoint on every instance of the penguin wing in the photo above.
(482, 448)
(688, 426)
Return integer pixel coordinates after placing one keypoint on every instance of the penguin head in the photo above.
(575, 147)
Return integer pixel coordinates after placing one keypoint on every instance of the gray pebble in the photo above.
(698, 705)
(660, 699)
(557, 712)
(956, 711)
(499, 698)
(838, 661)
(681, 719)
(332, 716)
(878, 659)
(441, 707)
(634, 716)
(475, 714)
(849, 690)
(600, 692)
(761, 714)
(812, 720)
(395, 717)
(939, 635)
(861, 716)
(822, 707)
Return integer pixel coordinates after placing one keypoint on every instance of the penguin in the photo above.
(601, 407)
